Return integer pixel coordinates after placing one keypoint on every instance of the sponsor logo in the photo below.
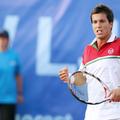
(110, 51)
(44, 117)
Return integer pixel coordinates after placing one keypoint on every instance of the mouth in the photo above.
(99, 31)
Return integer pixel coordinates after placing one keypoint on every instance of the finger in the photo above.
(63, 75)
(63, 70)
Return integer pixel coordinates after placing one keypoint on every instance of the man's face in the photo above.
(101, 26)
(3, 43)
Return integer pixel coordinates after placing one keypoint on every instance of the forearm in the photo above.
(19, 85)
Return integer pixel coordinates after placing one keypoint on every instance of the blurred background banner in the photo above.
(48, 35)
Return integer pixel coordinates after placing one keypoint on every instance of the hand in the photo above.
(114, 95)
(63, 74)
(20, 98)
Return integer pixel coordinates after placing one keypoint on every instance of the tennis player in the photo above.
(10, 79)
(102, 58)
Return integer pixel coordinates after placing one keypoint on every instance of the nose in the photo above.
(98, 25)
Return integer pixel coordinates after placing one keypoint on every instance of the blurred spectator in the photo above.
(10, 79)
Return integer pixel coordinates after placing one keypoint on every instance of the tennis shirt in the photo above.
(105, 64)
(9, 68)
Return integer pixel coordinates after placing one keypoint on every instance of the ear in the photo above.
(111, 24)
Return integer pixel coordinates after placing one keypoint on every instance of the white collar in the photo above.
(111, 39)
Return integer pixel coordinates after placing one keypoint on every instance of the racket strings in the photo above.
(88, 88)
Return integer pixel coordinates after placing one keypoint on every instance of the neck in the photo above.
(101, 42)
(3, 49)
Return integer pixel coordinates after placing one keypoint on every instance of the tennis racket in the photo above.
(88, 88)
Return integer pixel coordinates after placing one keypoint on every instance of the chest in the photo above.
(7, 63)
(107, 50)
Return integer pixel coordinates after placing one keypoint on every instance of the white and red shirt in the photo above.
(105, 64)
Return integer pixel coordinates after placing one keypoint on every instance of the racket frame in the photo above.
(105, 87)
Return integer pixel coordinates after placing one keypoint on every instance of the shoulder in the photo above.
(87, 51)
(11, 53)
(88, 48)
(117, 40)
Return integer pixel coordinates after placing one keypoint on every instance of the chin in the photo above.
(100, 37)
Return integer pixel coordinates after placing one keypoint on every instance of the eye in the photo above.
(94, 21)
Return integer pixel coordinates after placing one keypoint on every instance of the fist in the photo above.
(64, 75)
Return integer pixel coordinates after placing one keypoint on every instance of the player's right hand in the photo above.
(64, 75)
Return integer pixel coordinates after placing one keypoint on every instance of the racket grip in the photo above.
(72, 81)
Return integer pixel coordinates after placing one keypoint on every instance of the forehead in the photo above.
(99, 16)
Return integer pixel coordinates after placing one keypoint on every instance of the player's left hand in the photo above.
(114, 95)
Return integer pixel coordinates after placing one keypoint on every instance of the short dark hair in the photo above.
(4, 34)
(101, 8)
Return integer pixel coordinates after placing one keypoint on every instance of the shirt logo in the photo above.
(110, 51)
